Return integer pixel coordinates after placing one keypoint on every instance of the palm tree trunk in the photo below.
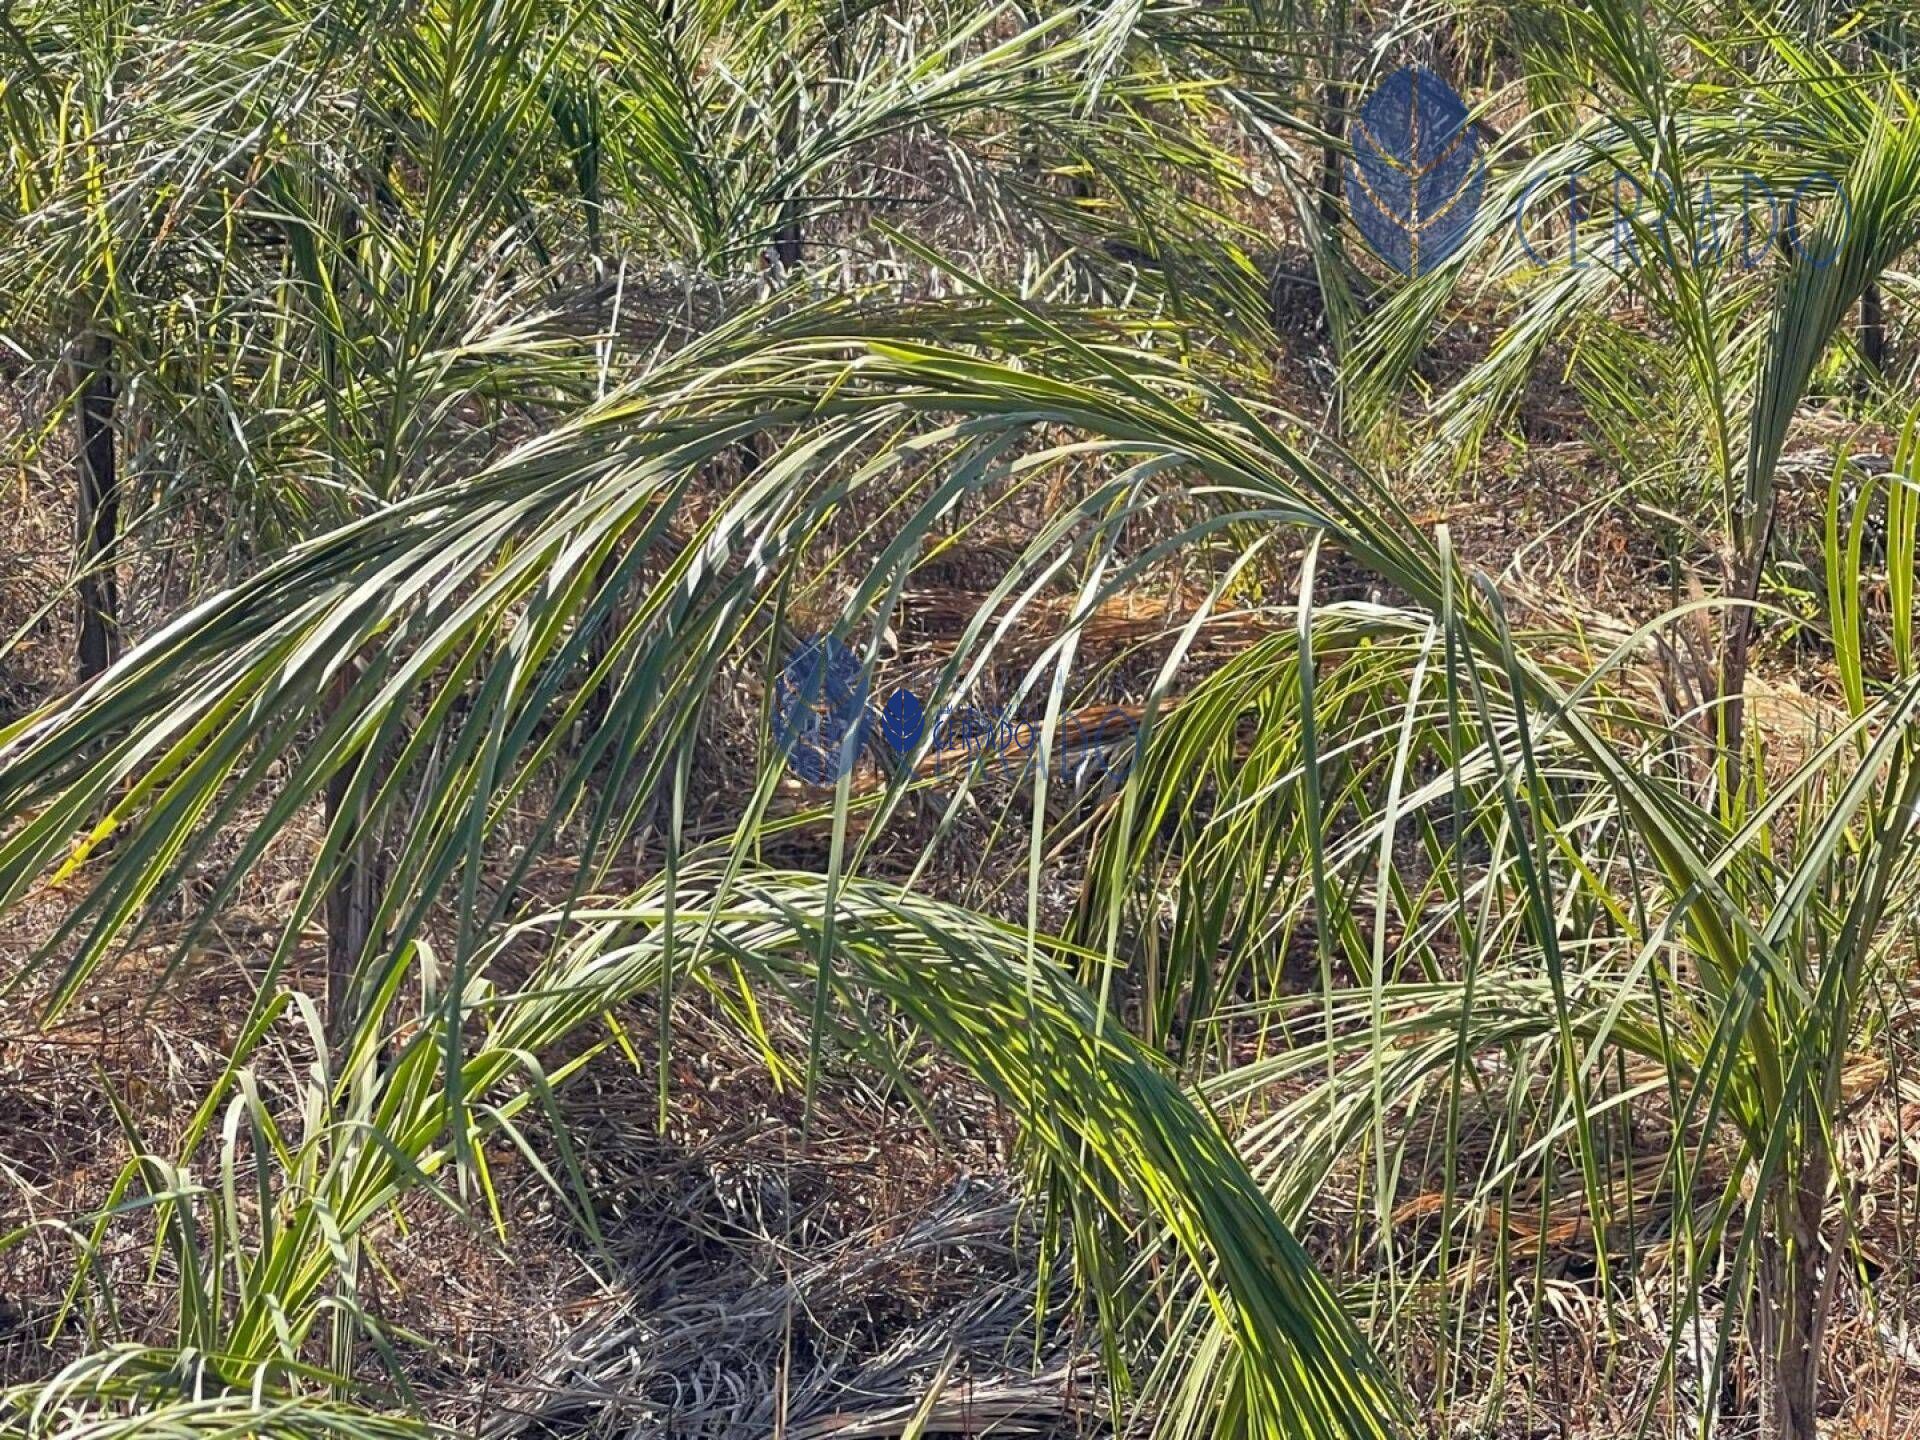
(1790, 1299)
(787, 239)
(1876, 44)
(1873, 336)
(352, 897)
(96, 508)
(1752, 541)
(1333, 120)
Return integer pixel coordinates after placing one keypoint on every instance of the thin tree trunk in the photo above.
(1873, 336)
(351, 898)
(1737, 643)
(1333, 120)
(96, 508)
(1730, 713)
(787, 239)
(1791, 1303)
(600, 641)
(1875, 46)
(351, 901)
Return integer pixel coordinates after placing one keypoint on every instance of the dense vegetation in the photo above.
(1435, 955)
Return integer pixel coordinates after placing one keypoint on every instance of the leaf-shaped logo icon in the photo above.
(903, 720)
(1415, 178)
(820, 716)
